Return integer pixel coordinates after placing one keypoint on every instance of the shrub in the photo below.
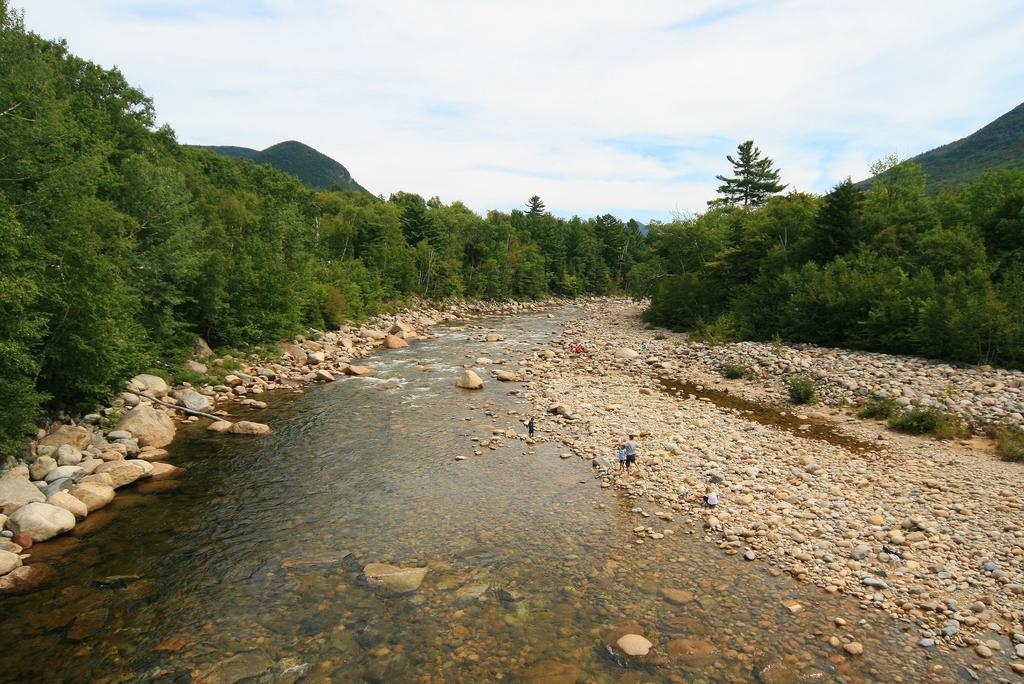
(801, 391)
(1010, 443)
(880, 409)
(736, 372)
(923, 420)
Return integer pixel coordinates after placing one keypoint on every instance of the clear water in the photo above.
(257, 551)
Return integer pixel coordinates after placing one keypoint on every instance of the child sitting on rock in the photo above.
(710, 497)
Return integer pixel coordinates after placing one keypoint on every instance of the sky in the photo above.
(598, 107)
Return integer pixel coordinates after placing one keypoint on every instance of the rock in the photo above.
(41, 467)
(16, 489)
(77, 437)
(237, 668)
(24, 578)
(749, 555)
(123, 472)
(68, 455)
(196, 367)
(200, 349)
(247, 427)
(152, 384)
(874, 582)
(69, 503)
(295, 351)
(493, 337)
(401, 328)
(88, 623)
(149, 426)
(634, 645)
(854, 648)
(74, 473)
(9, 561)
(324, 376)
(677, 597)
(776, 671)
(691, 651)
(506, 376)
(470, 380)
(392, 342)
(193, 400)
(552, 672)
(860, 552)
(624, 353)
(219, 426)
(164, 471)
(983, 651)
(393, 578)
(94, 495)
(359, 371)
(41, 521)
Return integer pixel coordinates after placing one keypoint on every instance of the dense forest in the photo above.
(889, 269)
(118, 245)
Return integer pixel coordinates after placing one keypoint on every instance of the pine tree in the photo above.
(754, 182)
(536, 206)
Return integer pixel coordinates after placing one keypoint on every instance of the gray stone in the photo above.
(42, 467)
(860, 552)
(68, 455)
(61, 485)
(874, 582)
(193, 400)
(75, 473)
(15, 488)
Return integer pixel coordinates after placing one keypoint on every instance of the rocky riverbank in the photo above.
(77, 467)
(929, 532)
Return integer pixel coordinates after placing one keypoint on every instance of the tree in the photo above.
(535, 205)
(755, 180)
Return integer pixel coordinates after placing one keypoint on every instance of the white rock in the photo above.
(41, 521)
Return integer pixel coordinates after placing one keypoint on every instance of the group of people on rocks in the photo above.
(627, 455)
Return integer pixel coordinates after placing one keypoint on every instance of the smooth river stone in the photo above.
(396, 579)
(41, 521)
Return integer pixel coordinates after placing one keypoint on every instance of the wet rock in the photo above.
(395, 579)
(219, 426)
(360, 371)
(24, 578)
(677, 597)
(493, 337)
(470, 380)
(41, 521)
(238, 667)
(634, 645)
(776, 671)
(506, 376)
(247, 427)
(69, 503)
(73, 435)
(94, 495)
(164, 471)
(552, 672)
(149, 426)
(693, 652)
(193, 400)
(87, 624)
(393, 342)
(854, 648)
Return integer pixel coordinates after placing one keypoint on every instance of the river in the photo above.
(250, 564)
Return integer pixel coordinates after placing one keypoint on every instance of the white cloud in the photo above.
(492, 102)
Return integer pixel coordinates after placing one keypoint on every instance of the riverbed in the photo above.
(249, 565)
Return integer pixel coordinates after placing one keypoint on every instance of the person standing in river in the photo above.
(531, 426)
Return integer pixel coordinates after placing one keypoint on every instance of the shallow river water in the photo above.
(249, 566)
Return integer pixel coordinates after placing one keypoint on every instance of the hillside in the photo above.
(999, 145)
(313, 168)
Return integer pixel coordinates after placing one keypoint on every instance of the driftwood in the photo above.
(183, 409)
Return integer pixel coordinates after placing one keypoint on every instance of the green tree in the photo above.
(754, 181)
(535, 207)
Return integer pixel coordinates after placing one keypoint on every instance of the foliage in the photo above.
(118, 246)
(736, 372)
(755, 180)
(1010, 443)
(880, 409)
(801, 390)
(921, 420)
(312, 167)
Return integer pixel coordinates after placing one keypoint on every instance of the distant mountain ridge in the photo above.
(312, 167)
(999, 145)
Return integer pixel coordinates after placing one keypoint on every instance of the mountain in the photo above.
(313, 168)
(999, 145)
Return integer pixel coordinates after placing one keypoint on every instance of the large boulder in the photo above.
(17, 490)
(393, 578)
(297, 353)
(123, 472)
(219, 426)
(69, 503)
(41, 521)
(393, 342)
(9, 561)
(72, 472)
(470, 380)
(76, 436)
(493, 337)
(68, 455)
(200, 349)
(359, 371)
(402, 329)
(506, 376)
(152, 384)
(41, 467)
(150, 427)
(94, 495)
(193, 400)
(691, 651)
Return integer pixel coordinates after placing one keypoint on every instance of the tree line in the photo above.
(118, 245)
(888, 269)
